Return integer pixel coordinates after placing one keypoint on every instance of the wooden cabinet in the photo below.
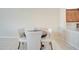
(72, 15)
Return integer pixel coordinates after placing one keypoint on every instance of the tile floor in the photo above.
(59, 42)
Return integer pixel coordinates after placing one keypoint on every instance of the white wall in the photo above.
(46, 18)
(13, 19)
(8, 43)
(62, 18)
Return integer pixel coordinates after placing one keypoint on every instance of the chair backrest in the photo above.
(33, 40)
(21, 33)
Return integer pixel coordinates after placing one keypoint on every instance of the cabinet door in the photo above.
(72, 15)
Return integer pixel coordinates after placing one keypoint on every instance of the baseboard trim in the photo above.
(8, 37)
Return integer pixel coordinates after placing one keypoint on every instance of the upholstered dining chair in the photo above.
(22, 38)
(46, 41)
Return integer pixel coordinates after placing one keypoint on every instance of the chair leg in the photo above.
(19, 46)
(41, 46)
(51, 45)
(23, 45)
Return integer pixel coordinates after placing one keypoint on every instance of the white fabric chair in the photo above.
(47, 41)
(33, 40)
(22, 38)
